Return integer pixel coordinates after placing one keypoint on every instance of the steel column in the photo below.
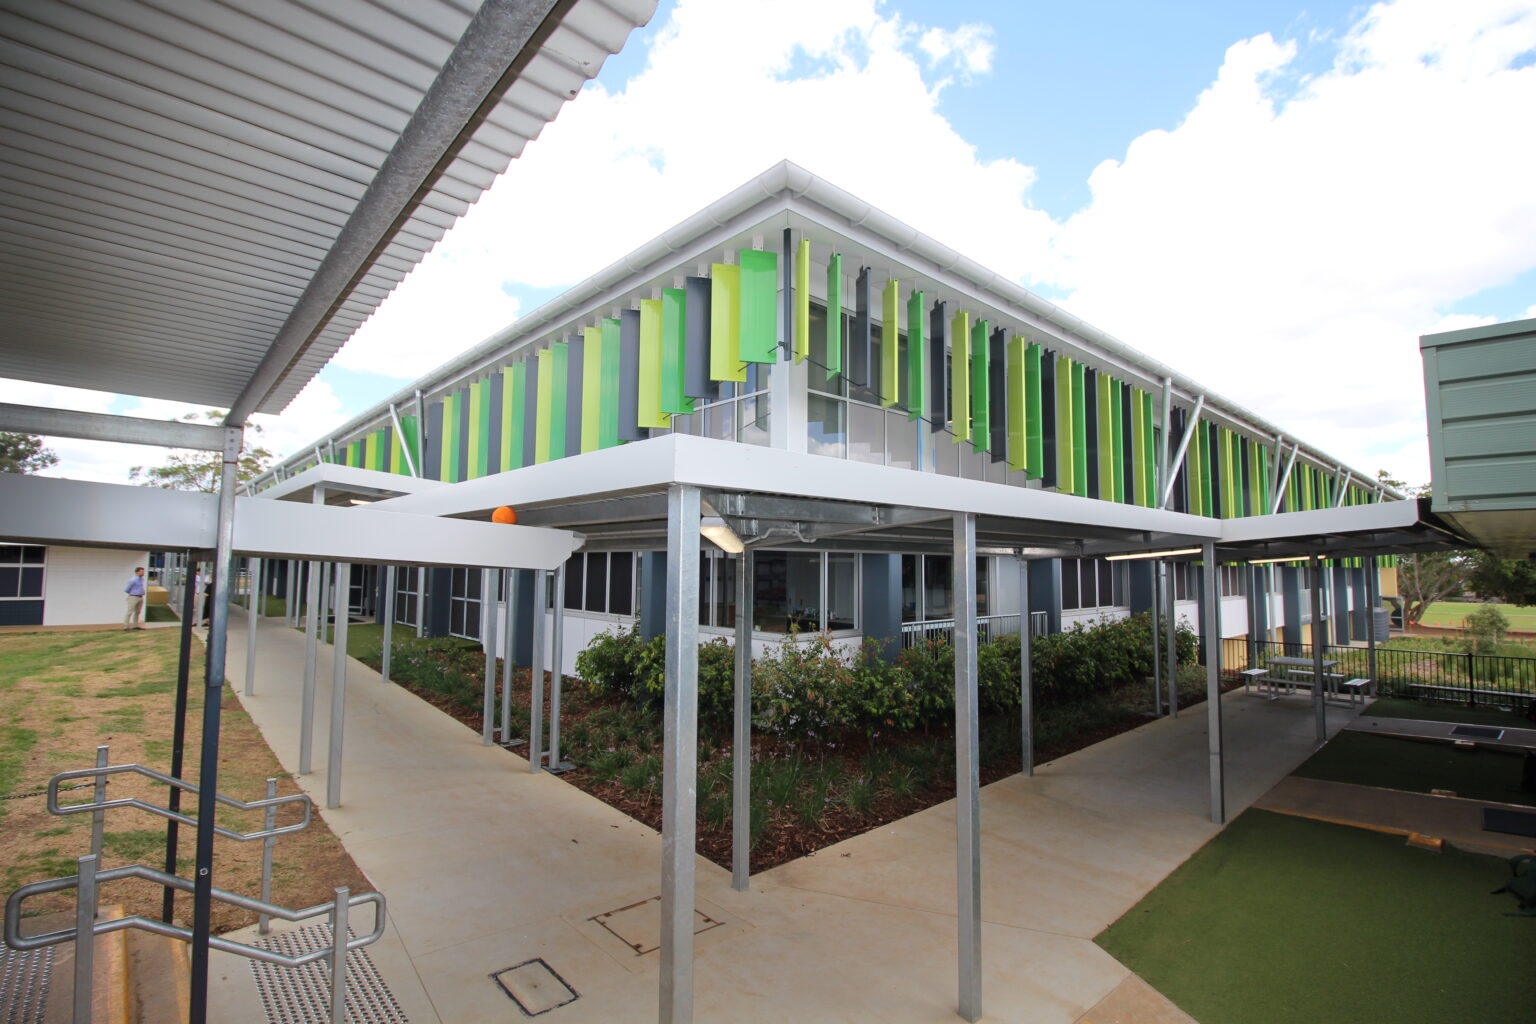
(1319, 706)
(741, 746)
(311, 652)
(1212, 590)
(387, 640)
(178, 747)
(1026, 678)
(252, 615)
(343, 582)
(556, 672)
(488, 642)
(1157, 646)
(680, 755)
(1372, 570)
(967, 771)
(536, 675)
(1170, 572)
(208, 770)
(508, 661)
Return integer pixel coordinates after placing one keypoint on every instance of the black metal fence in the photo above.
(1425, 675)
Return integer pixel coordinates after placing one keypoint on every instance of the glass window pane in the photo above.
(725, 591)
(596, 597)
(819, 360)
(938, 587)
(575, 578)
(825, 424)
(842, 591)
(866, 433)
(621, 584)
(982, 566)
(901, 440)
(770, 592)
(705, 594)
(10, 554)
(32, 555)
(752, 422)
(10, 581)
(1070, 597)
(1106, 582)
(910, 611)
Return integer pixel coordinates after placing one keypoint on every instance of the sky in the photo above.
(1276, 199)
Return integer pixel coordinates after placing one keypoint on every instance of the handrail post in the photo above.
(1471, 684)
(339, 956)
(268, 822)
(85, 936)
(99, 797)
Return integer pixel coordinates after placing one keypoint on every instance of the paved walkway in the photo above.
(486, 866)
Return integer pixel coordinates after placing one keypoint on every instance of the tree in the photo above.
(1429, 576)
(190, 470)
(24, 453)
(1510, 580)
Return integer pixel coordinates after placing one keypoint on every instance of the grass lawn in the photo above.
(1282, 920)
(1440, 711)
(1418, 766)
(64, 693)
(1452, 614)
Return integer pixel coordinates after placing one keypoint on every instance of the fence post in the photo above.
(85, 937)
(1471, 684)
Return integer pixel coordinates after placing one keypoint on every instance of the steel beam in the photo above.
(1178, 458)
(1210, 581)
(680, 755)
(967, 771)
(100, 426)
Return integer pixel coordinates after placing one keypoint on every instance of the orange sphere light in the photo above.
(504, 515)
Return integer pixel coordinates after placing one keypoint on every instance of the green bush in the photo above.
(803, 689)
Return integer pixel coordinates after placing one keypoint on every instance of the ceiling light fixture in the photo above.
(1151, 554)
(721, 535)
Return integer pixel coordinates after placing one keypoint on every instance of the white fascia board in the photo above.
(652, 465)
(54, 511)
(282, 529)
(1380, 517)
(342, 478)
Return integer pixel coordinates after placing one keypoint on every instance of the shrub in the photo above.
(802, 689)
(1488, 627)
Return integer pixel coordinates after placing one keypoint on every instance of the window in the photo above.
(408, 595)
(1234, 581)
(21, 584)
(600, 581)
(804, 591)
(464, 604)
(927, 587)
(717, 589)
(1092, 583)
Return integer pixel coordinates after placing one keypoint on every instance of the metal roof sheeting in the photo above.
(173, 172)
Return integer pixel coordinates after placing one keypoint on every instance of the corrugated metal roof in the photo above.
(173, 172)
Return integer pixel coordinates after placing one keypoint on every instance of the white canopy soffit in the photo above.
(201, 201)
(75, 512)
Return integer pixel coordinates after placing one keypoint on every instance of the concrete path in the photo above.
(486, 866)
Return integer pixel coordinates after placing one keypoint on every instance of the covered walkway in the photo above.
(486, 866)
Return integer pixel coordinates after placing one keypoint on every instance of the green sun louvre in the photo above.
(960, 376)
(474, 441)
(1079, 429)
(1017, 381)
(591, 388)
(649, 389)
(1117, 439)
(981, 386)
(1066, 476)
(834, 316)
(1104, 387)
(543, 409)
(725, 362)
(1149, 448)
(674, 353)
(450, 435)
(890, 345)
(608, 390)
(379, 450)
(917, 357)
(802, 300)
(1229, 475)
(1141, 490)
(480, 427)
(396, 456)
(759, 274)
(1034, 411)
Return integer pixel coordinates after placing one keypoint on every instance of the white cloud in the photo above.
(969, 47)
(1289, 252)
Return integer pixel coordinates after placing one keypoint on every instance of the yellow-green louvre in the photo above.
(890, 345)
(802, 301)
(560, 361)
(591, 389)
(479, 429)
(981, 386)
(608, 412)
(1017, 391)
(1106, 446)
(1122, 458)
(396, 451)
(1140, 490)
(725, 362)
(674, 341)
(514, 384)
(960, 376)
(650, 414)
(1034, 410)
(834, 316)
(543, 412)
(1066, 476)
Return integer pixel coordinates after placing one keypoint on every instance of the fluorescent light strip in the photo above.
(1287, 558)
(1152, 554)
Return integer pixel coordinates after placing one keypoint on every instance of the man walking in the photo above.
(135, 592)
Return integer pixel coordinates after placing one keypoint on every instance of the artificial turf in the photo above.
(1284, 920)
(1418, 766)
(1439, 711)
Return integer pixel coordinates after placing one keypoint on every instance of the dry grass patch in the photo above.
(64, 693)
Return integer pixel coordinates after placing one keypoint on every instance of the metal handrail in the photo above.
(89, 878)
(100, 772)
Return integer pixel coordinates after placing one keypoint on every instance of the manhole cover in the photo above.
(1478, 732)
(535, 987)
(638, 925)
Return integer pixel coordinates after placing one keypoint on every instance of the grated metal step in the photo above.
(302, 995)
(24, 980)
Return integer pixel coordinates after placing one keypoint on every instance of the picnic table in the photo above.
(1292, 674)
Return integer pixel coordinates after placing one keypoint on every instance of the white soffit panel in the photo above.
(173, 172)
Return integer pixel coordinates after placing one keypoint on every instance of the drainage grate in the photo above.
(302, 995)
(1479, 732)
(24, 977)
(535, 987)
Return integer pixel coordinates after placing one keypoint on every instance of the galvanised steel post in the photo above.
(557, 670)
(488, 642)
(311, 652)
(536, 674)
(1319, 706)
(680, 755)
(967, 771)
(741, 748)
(208, 770)
(1210, 579)
(1371, 600)
(178, 747)
(1171, 573)
(1026, 679)
(252, 613)
(387, 642)
(343, 582)
(509, 638)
